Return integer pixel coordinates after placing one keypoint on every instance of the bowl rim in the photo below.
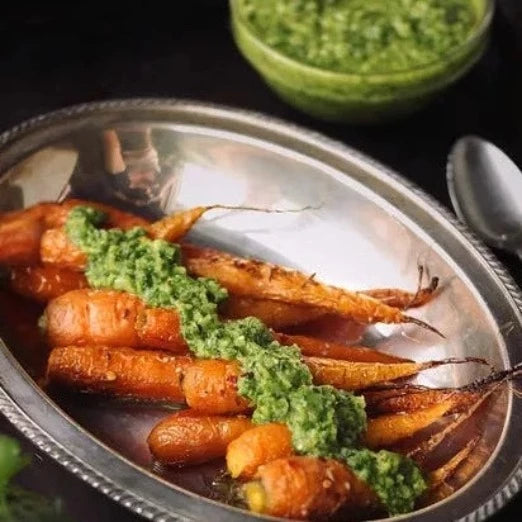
(154, 507)
(473, 37)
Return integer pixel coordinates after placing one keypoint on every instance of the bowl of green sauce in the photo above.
(360, 61)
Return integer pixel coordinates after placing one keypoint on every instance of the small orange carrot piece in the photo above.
(258, 446)
(188, 437)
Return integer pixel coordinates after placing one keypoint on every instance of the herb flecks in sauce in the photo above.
(362, 36)
(324, 421)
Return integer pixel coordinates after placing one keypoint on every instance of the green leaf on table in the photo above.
(16, 503)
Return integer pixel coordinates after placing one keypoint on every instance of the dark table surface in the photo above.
(52, 57)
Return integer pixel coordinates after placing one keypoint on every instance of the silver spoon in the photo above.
(485, 187)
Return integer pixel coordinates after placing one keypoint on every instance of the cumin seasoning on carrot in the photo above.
(324, 421)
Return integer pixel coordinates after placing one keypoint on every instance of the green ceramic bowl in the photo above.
(359, 98)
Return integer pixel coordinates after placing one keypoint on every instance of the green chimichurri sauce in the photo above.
(362, 36)
(324, 421)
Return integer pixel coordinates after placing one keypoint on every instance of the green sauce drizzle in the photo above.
(324, 421)
(362, 36)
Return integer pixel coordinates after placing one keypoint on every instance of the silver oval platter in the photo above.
(359, 226)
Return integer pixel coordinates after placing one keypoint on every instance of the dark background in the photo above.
(51, 57)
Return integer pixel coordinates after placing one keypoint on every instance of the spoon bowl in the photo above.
(485, 187)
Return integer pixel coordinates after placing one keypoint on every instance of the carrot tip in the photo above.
(422, 324)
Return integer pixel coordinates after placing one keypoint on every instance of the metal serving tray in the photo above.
(365, 227)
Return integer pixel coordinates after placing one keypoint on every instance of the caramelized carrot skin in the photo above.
(258, 446)
(245, 277)
(123, 372)
(189, 437)
(106, 317)
(210, 386)
(43, 283)
(308, 487)
(312, 347)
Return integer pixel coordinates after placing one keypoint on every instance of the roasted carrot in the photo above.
(275, 314)
(89, 317)
(119, 319)
(188, 437)
(305, 487)
(258, 446)
(210, 386)
(21, 231)
(386, 402)
(255, 278)
(348, 375)
(313, 347)
(388, 429)
(122, 372)
(43, 283)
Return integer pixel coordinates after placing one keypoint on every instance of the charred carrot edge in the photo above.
(188, 437)
(256, 278)
(124, 372)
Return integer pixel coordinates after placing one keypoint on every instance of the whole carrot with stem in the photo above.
(255, 278)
